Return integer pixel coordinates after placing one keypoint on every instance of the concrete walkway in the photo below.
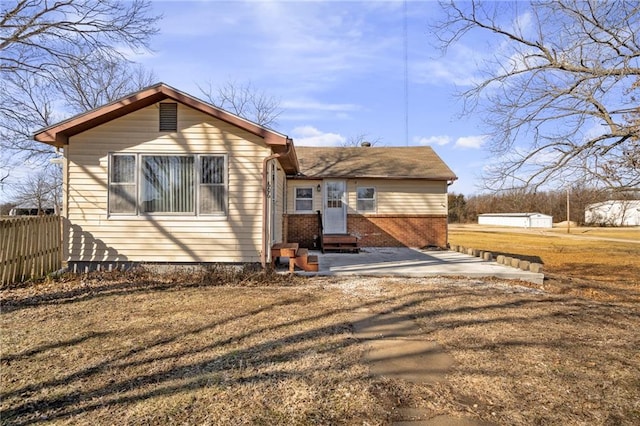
(397, 349)
(410, 262)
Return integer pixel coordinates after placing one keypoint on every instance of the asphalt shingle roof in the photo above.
(416, 162)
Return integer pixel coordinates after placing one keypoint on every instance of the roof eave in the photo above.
(386, 177)
(288, 159)
(58, 134)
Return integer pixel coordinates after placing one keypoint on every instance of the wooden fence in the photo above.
(29, 247)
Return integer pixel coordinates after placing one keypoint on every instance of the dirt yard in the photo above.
(136, 349)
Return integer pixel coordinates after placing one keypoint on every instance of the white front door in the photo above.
(335, 207)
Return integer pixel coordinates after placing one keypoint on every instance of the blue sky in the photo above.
(337, 68)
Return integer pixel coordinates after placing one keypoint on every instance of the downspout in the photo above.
(265, 204)
(446, 234)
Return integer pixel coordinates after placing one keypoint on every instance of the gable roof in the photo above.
(58, 134)
(416, 162)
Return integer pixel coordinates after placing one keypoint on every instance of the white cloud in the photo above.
(317, 41)
(305, 109)
(470, 141)
(459, 66)
(523, 23)
(309, 104)
(310, 136)
(434, 72)
(432, 140)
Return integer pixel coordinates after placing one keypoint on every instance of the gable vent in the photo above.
(168, 117)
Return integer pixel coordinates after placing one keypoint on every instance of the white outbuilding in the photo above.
(519, 220)
(613, 213)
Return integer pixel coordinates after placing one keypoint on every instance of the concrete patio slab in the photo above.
(409, 262)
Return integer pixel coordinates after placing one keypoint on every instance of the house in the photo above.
(385, 197)
(519, 220)
(613, 213)
(161, 176)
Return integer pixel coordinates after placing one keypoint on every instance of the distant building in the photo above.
(28, 210)
(613, 213)
(518, 220)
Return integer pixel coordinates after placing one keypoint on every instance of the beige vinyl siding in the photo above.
(393, 197)
(162, 238)
(281, 197)
(404, 197)
(291, 195)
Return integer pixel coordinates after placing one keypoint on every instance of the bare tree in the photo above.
(40, 37)
(560, 90)
(40, 190)
(26, 104)
(95, 80)
(63, 57)
(30, 102)
(553, 203)
(244, 100)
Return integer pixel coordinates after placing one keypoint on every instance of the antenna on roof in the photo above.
(406, 74)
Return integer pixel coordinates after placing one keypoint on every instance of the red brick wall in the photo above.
(301, 229)
(376, 230)
(398, 231)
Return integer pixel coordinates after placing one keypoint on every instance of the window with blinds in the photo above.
(168, 184)
(122, 186)
(212, 187)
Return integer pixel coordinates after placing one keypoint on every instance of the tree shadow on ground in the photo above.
(198, 357)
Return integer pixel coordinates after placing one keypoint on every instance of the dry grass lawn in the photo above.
(137, 349)
(582, 263)
(631, 234)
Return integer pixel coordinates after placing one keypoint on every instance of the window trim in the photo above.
(197, 183)
(295, 199)
(110, 183)
(224, 185)
(374, 199)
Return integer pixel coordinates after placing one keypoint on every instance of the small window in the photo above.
(304, 199)
(168, 117)
(366, 201)
(122, 185)
(213, 191)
